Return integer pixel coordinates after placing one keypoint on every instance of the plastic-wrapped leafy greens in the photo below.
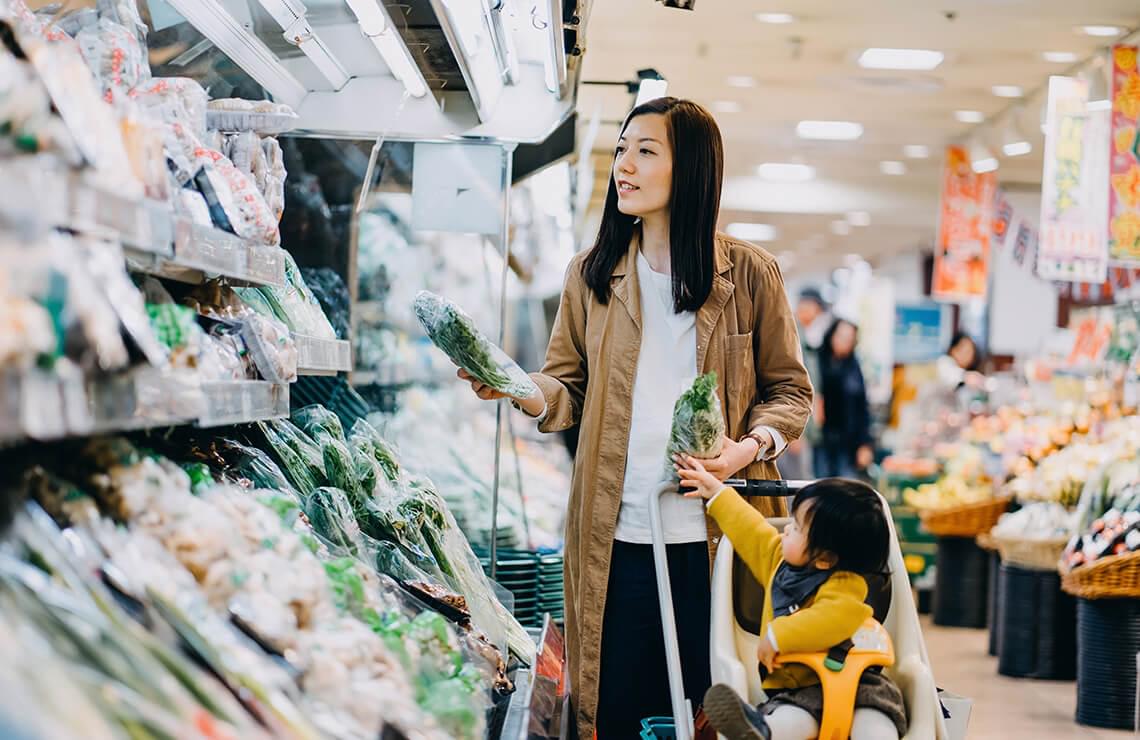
(301, 457)
(260, 470)
(454, 332)
(316, 420)
(331, 292)
(331, 515)
(366, 439)
(698, 423)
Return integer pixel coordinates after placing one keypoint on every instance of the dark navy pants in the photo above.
(634, 683)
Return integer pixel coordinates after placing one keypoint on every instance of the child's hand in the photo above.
(767, 654)
(693, 475)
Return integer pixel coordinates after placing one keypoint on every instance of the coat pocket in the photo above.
(740, 382)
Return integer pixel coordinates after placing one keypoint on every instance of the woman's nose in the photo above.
(624, 164)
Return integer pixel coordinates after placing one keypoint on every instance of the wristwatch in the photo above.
(763, 444)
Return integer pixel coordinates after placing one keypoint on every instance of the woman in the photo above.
(846, 446)
(959, 366)
(660, 297)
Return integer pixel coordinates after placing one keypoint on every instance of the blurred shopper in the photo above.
(959, 366)
(812, 321)
(845, 447)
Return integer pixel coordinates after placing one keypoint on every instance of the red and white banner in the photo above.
(965, 229)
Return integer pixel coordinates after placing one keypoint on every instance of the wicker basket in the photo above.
(1031, 554)
(1115, 577)
(965, 521)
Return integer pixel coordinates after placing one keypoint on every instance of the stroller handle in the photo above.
(766, 488)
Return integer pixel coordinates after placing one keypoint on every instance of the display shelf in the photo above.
(201, 252)
(322, 356)
(243, 401)
(44, 406)
(142, 225)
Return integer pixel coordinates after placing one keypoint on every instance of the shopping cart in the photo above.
(733, 646)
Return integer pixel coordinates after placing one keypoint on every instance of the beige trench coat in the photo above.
(745, 332)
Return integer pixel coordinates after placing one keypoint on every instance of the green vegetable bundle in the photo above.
(455, 333)
(698, 423)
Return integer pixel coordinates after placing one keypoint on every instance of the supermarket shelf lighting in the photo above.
(290, 15)
(377, 26)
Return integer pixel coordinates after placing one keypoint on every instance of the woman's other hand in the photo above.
(864, 456)
(735, 456)
(693, 476)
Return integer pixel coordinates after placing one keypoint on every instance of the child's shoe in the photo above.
(733, 717)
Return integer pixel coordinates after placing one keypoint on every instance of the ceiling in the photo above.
(807, 70)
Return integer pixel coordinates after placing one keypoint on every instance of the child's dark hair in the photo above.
(845, 518)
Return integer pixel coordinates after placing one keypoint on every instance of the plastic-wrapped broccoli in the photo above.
(698, 423)
(454, 332)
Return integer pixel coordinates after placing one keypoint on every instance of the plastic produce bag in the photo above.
(305, 476)
(331, 292)
(295, 304)
(258, 468)
(698, 423)
(331, 515)
(317, 421)
(366, 439)
(454, 332)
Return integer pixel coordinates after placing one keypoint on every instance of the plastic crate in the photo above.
(658, 727)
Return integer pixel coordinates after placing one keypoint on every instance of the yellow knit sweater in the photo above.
(830, 617)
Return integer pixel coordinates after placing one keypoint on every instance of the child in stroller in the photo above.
(815, 578)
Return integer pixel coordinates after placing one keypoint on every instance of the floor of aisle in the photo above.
(1004, 708)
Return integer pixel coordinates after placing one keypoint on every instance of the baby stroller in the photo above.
(893, 639)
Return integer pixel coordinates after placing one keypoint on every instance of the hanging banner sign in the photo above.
(965, 228)
(1124, 158)
(1072, 245)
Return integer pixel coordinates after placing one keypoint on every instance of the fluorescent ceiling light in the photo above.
(892, 167)
(753, 232)
(1007, 91)
(778, 19)
(982, 160)
(742, 81)
(726, 106)
(969, 116)
(903, 59)
(859, 218)
(1099, 105)
(554, 61)
(829, 130)
(376, 25)
(1014, 141)
(785, 172)
(840, 227)
(1101, 31)
(650, 90)
(290, 15)
(916, 151)
(1059, 57)
(1016, 148)
(988, 164)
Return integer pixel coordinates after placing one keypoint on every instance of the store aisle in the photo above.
(1004, 708)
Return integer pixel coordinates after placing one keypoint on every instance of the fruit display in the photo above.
(948, 492)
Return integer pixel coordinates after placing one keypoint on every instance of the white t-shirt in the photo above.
(666, 366)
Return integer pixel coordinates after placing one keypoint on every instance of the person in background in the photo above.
(812, 321)
(845, 447)
(959, 366)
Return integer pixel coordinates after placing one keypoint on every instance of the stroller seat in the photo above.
(737, 605)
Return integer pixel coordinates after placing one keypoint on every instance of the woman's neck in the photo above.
(654, 239)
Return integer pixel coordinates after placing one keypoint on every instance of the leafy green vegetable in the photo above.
(300, 472)
(698, 424)
(307, 450)
(453, 331)
(365, 438)
(260, 469)
(339, 468)
(317, 421)
(347, 583)
(201, 478)
(331, 515)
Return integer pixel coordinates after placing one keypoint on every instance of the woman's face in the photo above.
(643, 166)
(843, 341)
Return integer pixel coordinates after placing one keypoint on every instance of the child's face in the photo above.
(794, 541)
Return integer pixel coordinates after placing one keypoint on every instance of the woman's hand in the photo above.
(483, 391)
(693, 475)
(864, 456)
(735, 456)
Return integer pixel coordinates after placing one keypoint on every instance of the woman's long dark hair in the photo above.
(698, 167)
(827, 357)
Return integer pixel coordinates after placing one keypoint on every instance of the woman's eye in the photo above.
(646, 151)
(620, 150)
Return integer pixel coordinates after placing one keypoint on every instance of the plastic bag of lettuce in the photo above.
(698, 423)
(454, 332)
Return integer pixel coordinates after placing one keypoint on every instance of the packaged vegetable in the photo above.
(318, 421)
(698, 423)
(331, 515)
(454, 332)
